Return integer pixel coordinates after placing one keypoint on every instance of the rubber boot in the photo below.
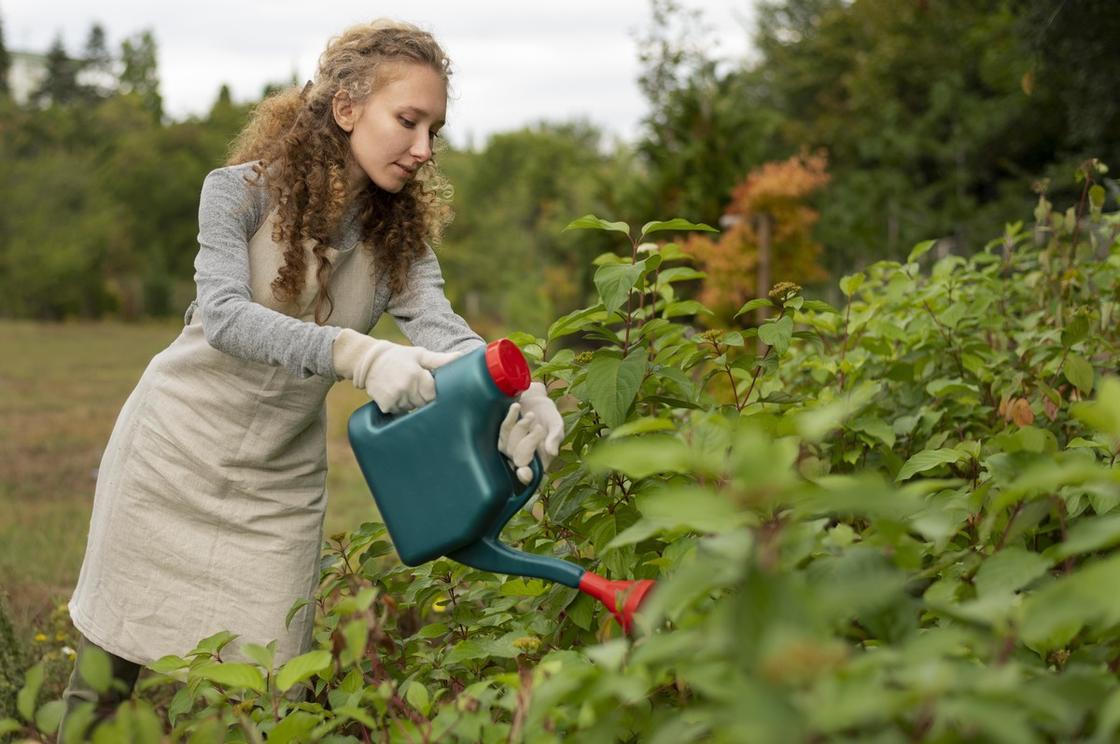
(79, 694)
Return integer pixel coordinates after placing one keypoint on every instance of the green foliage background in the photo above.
(934, 116)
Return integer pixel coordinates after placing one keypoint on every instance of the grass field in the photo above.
(61, 387)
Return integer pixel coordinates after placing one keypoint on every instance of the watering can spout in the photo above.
(622, 598)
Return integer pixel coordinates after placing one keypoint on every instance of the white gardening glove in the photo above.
(398, 378)
(518, 439)
(539, 430)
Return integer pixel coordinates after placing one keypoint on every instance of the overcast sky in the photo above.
(514, 62)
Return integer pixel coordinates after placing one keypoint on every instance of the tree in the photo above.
(140, 76)
(706, 127)
(5, 63)
(60, 86)
(922, 110)
(1073, 45)
(98, 81)
(512, 200)
(768, 237)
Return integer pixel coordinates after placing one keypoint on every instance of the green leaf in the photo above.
(777, 333)
(675, 224)
(639, 457)
(614, 283)
(301, 668)
(679, 274)
(642, 426)
(1079, 372)
(215, 643)
(168, 664)
(434, 630)
(358, 714)
(96, 669)
(1108, 718)
(298, 605)
(230, 674)
(952, 388)
(591, 222)
(25, 700)
(465, 651)
(296, 727)
(523, 588)
(850, 284)
(356, 635)
(1054, 614)
(263, 655)
(929, 459)
(919, 250)
(813, 423)
(1102, 414)
(610, 654)
(673, 252)
(1076, 330)
(1083, 443)
(1096, 196)
(1087, 535)
(1009, 570)
(9, 725)
(576, 321)
(612, 384)
(417, 696)
(610, 258)
(875, 427)
(49, 715)
(819, 306)
(685, 307)
(181, 703)
(753, 305)
(690, 507)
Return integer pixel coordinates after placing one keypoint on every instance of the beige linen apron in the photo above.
(208, 511)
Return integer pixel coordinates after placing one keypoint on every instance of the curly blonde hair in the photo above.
(304, 156)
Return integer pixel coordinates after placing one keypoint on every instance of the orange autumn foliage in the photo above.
(778, 190)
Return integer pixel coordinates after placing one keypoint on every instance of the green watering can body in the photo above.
(443, 488)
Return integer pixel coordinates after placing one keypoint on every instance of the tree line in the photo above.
(935, 119)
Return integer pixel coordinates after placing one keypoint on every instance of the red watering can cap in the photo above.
(507, 366)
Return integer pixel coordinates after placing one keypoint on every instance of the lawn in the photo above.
(61, 387)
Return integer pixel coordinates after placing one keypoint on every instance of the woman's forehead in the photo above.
(414, 86)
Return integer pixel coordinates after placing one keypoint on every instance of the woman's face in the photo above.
(392, 131)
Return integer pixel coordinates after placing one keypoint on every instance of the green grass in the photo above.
(61, 387)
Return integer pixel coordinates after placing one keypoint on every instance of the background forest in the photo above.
(931, 119)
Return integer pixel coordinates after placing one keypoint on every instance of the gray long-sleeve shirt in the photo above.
(230, 213)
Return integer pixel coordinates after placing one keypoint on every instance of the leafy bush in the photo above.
(889, 521)
(11, 661)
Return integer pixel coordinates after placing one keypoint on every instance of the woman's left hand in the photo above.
(533, 425)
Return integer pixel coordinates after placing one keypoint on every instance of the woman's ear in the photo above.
(345, 112)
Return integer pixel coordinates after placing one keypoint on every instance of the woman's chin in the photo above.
(392, 185)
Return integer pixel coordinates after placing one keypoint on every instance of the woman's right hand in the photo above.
(398, 378)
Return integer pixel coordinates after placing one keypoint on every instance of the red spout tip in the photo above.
(622, 598)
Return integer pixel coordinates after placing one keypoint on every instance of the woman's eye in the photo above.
(407, 123)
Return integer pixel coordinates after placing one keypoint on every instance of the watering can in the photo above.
(444, 489)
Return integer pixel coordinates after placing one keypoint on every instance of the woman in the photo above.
(209, 505)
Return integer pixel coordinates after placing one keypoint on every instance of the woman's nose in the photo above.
(422, 147)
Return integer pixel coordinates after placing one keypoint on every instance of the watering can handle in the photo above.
(519, 500)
